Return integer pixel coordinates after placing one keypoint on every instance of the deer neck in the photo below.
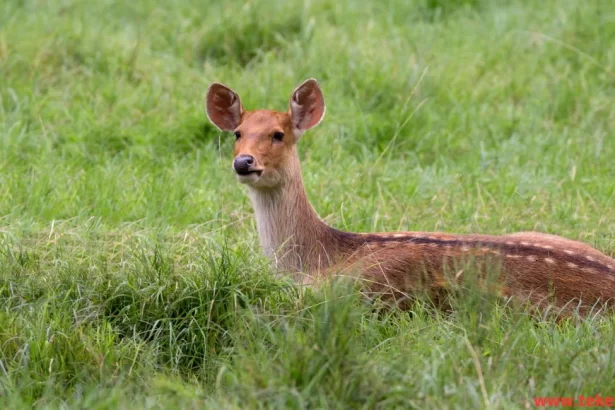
(291, 232)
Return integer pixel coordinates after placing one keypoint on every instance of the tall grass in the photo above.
(130, 275)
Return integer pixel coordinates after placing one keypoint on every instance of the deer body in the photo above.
(540, 268)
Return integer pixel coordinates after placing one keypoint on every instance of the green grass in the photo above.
(130, 275)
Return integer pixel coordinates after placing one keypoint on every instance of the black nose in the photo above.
(243, 163)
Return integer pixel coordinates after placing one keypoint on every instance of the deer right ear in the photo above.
(223, 107)
(307, 106)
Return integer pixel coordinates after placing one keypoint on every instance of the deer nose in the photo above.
(243, 163)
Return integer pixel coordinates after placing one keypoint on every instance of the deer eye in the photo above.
(278, 136)
(237, 135)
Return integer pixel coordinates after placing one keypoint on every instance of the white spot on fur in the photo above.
(399, 235)
(569, 252)
(611, 267)
(484, 249)
(589, 258)
(465, 248)
(513, 256)
(495, 251)
(572, 265)
(525, 243)
(550, 260)
(531, 258)
(433, 245)
(589, 270)
(510, 243)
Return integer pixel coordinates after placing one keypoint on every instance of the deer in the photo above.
(542, 270)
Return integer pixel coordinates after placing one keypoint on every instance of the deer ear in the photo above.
(223, 107)
(307, 106)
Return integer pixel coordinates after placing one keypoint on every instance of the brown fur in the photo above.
(542, 269)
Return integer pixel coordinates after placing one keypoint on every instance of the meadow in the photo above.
(130, 270)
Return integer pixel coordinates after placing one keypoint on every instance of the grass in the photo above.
(130, 275)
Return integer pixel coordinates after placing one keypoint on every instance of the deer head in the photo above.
(265, 153)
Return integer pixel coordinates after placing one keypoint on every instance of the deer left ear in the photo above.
(223, 107)
(307, 106)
